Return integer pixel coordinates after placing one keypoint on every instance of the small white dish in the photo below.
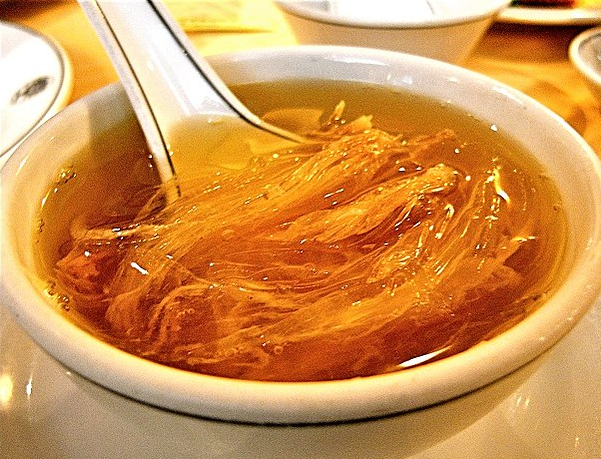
(36, 83)
(585, 55)
(447, 30)
(551, 16)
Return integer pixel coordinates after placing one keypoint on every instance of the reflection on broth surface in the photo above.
(379, 246)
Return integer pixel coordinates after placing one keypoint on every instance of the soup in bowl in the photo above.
(438, 233)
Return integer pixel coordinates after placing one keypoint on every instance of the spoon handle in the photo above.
(164, 77)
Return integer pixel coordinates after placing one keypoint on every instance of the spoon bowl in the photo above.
(171, 87)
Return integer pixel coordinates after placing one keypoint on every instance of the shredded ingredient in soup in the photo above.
(357, 254)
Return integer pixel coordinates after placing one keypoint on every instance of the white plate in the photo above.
(36, 82)
(49, 412)
(585, 55)
(550, 16)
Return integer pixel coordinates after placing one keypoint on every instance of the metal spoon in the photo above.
(167, 82)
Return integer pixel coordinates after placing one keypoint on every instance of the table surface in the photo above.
(532, 59)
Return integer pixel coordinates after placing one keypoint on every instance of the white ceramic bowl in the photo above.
(585, 54)
(435, 399)
(448, 30)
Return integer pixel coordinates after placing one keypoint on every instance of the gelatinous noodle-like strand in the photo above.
(352, 255)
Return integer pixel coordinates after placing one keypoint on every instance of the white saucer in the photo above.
(35, 83)
(48, 412)
(585, 55)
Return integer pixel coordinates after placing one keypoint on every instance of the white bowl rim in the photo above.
(493, 8)
(575, 52)
(298, 403)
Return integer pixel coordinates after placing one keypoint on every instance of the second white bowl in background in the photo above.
(441, 29)
(585, 54)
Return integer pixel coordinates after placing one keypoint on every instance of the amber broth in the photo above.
(116, 184)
